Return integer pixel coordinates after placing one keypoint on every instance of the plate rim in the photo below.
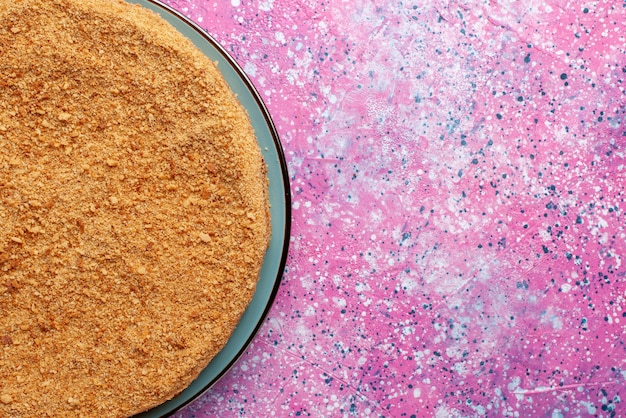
(286, 195)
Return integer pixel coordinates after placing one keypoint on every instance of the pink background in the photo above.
(457, 170)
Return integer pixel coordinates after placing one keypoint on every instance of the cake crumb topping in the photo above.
(133, 204)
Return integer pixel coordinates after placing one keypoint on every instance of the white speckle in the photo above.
(409, 284)
(250, 69)
(360, 287)
(332, 98)
(460, 368)
(280, 37)
(514, 383)
(566, 287)
(590, 407)
(340, 302)
(443, 411)
(480, 410)
(266, 6)
(235, 3)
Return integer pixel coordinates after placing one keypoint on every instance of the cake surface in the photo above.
(133, 209)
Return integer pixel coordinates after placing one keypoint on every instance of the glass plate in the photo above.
(280, 208)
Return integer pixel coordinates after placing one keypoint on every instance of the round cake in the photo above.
(133, 209)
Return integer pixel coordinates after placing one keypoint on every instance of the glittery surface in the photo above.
(458, 179)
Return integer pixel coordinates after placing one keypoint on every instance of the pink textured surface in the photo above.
(458, 181)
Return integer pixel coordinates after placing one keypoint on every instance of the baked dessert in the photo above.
(133, 209)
